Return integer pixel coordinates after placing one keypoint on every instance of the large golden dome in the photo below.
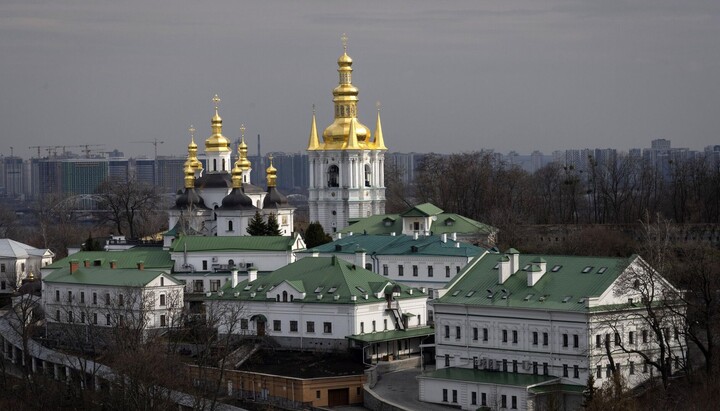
(217, 142)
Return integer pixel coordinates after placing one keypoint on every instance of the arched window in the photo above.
(231, 262)
(368, 175)
(230, 225)
(333, 175)
(284, 296)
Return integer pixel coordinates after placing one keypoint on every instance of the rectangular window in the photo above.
(504, 366)
(69, 296)
(485, 334)
(617, 339)
(607, 371)
(598, 341)
(70, 316)
(95, 318)
(598, 374)
(447, 360)
(57, 295)
(401, 270)
(277, 325)
(94, 298)
(2, 268)
(535, 338)
(513, 402)
(447, 331)
(457, 269)
(362, 327)
(565, 370)
(457, 333)
(293, 326)
(632, 368)
(483, 399)
(475, 363)
(565, 340)
(545, 368)
(445, 395)
(430, 271)
(214, 285)
(535, 367)
(385, 270)
(204, 265)
(373, 324)
(244, 324)
(503, 401)
(576, 371)
(82, 297)
(107, 299)
(515, 366)
(545, 338)
(454, 397)
(198, 286)
(645, 367)
(82, 317)
(447, 271)
(415, 270)
(107, 319)
(631, 337)
(473, 398)
(504, 336)
(327, 328)
(57, 315)
(310, 326)
(317, 394)
(475, 334)
(576, 341)
(163, 320)
(385, 324)
(644, 336)
(162, 300)
(515, 336)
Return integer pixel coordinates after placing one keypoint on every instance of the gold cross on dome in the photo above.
(377, 105)
(216, 100)
(192, 131)
(270, 156)
(313, 108)
(242, 130)
(344, 40)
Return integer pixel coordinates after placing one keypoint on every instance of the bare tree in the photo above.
(126, 202)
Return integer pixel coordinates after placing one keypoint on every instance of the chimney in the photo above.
(86, 263)
(74, 265)
(360, 257)
(415, 235)
(141, 265)
(536, 271)
(234, 272)
(457, 244)
(252, 274)
(443, 238)
(339, 236)
(504, 269)
(392, 234)
(113, 264)
(453, 236)
(514, 260)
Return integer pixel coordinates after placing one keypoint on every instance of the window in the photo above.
(457, 333)
(95, 318)
(332, 174)
(82, 297)
(535, 338)
(362, 327)
(576, 341)
(163, 320)
(230, 225)
(598, 373)
(107, 299)
(107, 319)
(204, 265)
(385, 269)
(576, 371)
(82, 317)
(327, 328)
(503, 401)
(3, 285)
(373, 325)
(385, 324)
(535, 367)
(645, 367)
(454, 397)
(401, 270)
(317, 394)
(214, 285)
(198, 286)
(447, 271)
(2, 268)
(57, 295)
(94, 298)
(644, 336)
(545, 338)
(475, 334)
(632, 368)
(69, 296)
(162, 300)
(485, 334)
(504, 336)
(515, 337)
(473, 398)
(430, 271)
(57, 315)
(565, 340)
(607, 371)
(415, 270)
(565, 370)
(447, 360)
(244, 324)
(277, 325)
(310, 326)
(515, 366)
(631, 337)
(445, 395)
(162, 279)
(483, 399)
(617, 339)
(447, 331)
(293, 326)
(598, 341)
(121, 300)
(70, 316)
(504, 365)
(457, 269)
(545, 368)
(513, 402)
(475, 363)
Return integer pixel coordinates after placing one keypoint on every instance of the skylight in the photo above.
(587, 269)
(319, 289)
(456, 292)
(470, 294)
(566, 299)
(362, 290)
(581, 301)
(496, 266)
(248, 287)
(602, 270)
(528, 297)
(556, 268)
(332, 290)
(527, 267)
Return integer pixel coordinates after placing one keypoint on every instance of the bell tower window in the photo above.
(333, 175)
(368, 175)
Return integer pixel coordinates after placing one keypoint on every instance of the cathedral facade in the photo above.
(347, 165)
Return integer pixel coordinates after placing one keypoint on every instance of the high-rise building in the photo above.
(12, 176)
(346, 168)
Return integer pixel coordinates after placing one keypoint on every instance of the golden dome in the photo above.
(236, 176)
(344, 60)
(217, 142)
(271, 173)
(189, 176)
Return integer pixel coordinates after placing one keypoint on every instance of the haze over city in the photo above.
(451, 76)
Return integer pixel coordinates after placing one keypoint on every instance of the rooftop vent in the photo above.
(601, 270)
(587, 269)
(556, 268)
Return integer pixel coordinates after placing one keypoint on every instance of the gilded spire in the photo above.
(379, 143)
(192, 151)
(189, 176)
(217, 142)
(352, 141)
(314, 143)
(271, 173)
(243, 161)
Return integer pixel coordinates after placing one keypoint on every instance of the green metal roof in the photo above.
(326, 276)
(397, 245)
(422, 210)
(255, 243)
(553, 388)
(106, 276)
(392, 335)
(566, 284)
(445, 223)
(153, 258)
(487, 377)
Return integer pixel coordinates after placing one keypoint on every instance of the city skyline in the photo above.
(451, 77)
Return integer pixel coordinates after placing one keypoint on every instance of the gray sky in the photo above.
(451, 75)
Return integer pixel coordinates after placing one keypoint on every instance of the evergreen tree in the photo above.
(315, 235)
(257, 226)
(91, 244)
(272, 227)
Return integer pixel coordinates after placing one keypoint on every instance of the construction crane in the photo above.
(155, 143)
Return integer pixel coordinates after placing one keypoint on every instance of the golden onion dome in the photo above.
(236, 176)
(344, 60)
(271, 173)
(217, 142)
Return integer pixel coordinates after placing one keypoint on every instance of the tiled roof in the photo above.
(566, 284)
(397, 245)
(105, 276)
(336, 280)
(152, 258)
(488, 377)
(256, 243)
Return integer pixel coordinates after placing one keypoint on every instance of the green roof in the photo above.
(326, 276)
(105, 276)
(567, 283)
(254, 243)
(553, 388)
(152, 257)
(397, 245)
(488, 377)
(392, 335)
(422, 210)
(445, 223)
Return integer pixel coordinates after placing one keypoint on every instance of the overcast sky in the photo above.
(451, 75)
